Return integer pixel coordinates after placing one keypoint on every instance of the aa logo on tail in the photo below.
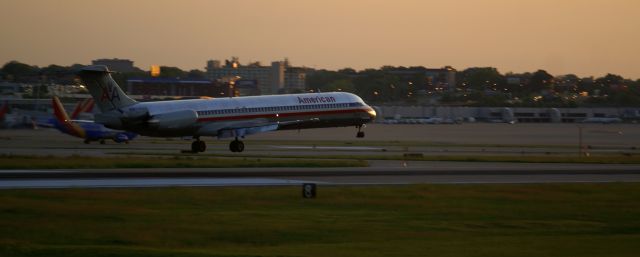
(109, 93)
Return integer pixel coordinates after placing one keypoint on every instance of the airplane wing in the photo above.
(243, 128)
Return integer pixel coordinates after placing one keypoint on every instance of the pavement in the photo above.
(473, 139)
(415, 173)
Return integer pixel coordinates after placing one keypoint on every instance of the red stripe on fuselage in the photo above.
(280, 115)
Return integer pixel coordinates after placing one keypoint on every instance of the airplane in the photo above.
(8, 120)
(86, 129)
(234, 117)
(4, 110)
(5, 120)
(607, 120)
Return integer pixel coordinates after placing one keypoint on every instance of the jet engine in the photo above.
(121, 138)
(109, 120)
(173, 120)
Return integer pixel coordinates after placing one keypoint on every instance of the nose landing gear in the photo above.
(360, 133)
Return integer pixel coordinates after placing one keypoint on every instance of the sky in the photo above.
(583, 37)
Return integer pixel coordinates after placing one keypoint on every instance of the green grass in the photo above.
(422, 220)
(83, 162)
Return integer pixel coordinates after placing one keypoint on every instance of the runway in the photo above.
(415, 173)
(382, 140)
(465, 139)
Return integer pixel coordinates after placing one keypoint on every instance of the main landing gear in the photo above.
(236, 146)
(360, 133)
(198, 146)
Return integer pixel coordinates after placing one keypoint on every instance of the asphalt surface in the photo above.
(417, 173)
(463, 139)
(466, 139)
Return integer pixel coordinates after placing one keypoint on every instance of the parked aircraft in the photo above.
(223, 117)
(86, 129)
(3, 114)
(8, 120)
(4, 110)
(603, 120)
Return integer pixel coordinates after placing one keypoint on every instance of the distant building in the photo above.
(274, 79)
(246, 87)
(443, 79)
(295, 79)
(11, 90)
(119, 65)
(179, 87)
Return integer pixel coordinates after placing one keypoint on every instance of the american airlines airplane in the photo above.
(222, 117)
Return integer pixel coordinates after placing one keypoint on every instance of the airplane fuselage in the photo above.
(293, 111)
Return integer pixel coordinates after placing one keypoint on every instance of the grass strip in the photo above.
(420, 220)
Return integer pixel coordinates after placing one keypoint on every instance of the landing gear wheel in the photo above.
(102, 142)
(198, 146)
(240, 146)
(236, 146)
(86, 141)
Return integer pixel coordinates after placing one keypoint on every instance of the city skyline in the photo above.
(587, 38)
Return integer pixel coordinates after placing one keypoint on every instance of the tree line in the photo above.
(477, 86)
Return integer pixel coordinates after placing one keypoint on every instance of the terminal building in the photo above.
(276, 78)
(509, 114)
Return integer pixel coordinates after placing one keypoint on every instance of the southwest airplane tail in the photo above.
(223, 117)
(3, 113)
(83, 106)
(88, 130)
(66, 125)
(4, 110)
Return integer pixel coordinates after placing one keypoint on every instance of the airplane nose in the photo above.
(372, 113)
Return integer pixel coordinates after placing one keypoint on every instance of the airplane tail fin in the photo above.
(77, 110)
(58, 111)
(85, 105)
(88, 107)
(62, 117)
(104, 90)
(4, 109)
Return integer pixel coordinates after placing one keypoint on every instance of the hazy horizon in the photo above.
(587, 38)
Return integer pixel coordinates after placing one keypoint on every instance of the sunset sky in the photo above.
(584, 37)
